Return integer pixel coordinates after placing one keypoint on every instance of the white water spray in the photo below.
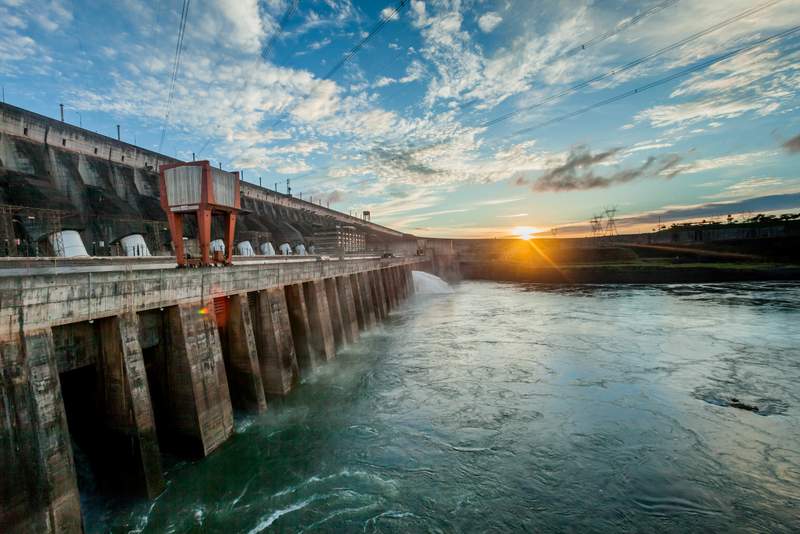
(426, 283)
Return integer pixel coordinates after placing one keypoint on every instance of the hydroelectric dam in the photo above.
(118, 348)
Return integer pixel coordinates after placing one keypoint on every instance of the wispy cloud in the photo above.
(496, 201)
(577, 172)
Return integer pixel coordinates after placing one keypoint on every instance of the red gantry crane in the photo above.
(197, 187)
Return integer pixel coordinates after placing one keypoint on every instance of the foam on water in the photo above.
(426, 283)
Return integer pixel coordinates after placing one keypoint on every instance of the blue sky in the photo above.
(401, 130)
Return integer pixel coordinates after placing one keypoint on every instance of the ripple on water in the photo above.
(516, 408)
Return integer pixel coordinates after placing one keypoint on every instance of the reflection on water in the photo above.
(506, 407)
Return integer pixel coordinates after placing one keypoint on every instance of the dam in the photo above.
(122, 352)
(117, 363)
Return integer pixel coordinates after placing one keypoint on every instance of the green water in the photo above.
(505, 407)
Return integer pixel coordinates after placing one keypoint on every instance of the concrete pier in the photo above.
(280, 371)
(301, 329)
(379, 299)
(365, 303)
(347, 305)
(240, 352)
(335, 312)
(157, 358)
(126, 403)
(38, 484)
(201, 411)
(319, 319)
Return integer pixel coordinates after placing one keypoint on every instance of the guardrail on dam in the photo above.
(131, 361)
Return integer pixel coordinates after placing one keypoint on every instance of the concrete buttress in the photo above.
(379, 300)
(348, 308)
(201, 405)
(241, 357)
(335, 312)
(358, 303)
(319, 318)
(38, 485)
(276, 350)
(126, 406)
(301, 328)
(367, 301)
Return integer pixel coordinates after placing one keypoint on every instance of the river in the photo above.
(512, 407)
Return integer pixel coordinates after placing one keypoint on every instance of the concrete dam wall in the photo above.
(55, 176)
(106, 361)
(120, 364)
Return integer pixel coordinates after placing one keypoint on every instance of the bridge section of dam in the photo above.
(119, 361)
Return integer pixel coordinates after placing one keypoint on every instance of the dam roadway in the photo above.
(129, 357)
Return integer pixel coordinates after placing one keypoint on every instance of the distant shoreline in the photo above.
(634, 273)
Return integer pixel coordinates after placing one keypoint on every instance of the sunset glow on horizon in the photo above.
(525, 232)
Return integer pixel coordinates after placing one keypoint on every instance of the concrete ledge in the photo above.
(43, 301)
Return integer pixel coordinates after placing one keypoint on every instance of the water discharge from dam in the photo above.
(512, 407)
(426, 283)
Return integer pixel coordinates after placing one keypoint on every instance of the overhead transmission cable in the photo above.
(614, 71)
(619, 28)
(175, 69)
(378, 26)
(683, 72)
(632, 64)
(375, 29)
(581, 47)
(699, 66)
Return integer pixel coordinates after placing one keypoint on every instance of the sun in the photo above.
(524, 232)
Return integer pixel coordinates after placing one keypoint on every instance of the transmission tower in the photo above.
(611, 222)
(597, 225)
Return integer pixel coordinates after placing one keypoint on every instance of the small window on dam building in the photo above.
(25, 131)
(95, 150)
(63, 142)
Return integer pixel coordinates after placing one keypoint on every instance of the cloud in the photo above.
(792, 146)
(389, 13)
(294, 168)
(577, 172)
(756, 186)
(489, 21)
(497, 201)
(734, 160)
(513, 216)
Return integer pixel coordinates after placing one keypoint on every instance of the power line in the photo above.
(662, 81)
(624, 25)
(375, 29)
(384, 20)
(619, 28)
(175, 69)
(613, 72)
(694, 68)
(630, 65)
(595, 40)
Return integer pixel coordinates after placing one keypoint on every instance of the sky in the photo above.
(449, 118)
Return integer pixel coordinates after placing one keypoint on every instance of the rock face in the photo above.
(107, 190)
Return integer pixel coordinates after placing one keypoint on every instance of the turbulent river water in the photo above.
(509, 407)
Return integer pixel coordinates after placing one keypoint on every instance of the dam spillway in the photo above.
(155, 357)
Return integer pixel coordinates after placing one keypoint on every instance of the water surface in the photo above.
(510, 407)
